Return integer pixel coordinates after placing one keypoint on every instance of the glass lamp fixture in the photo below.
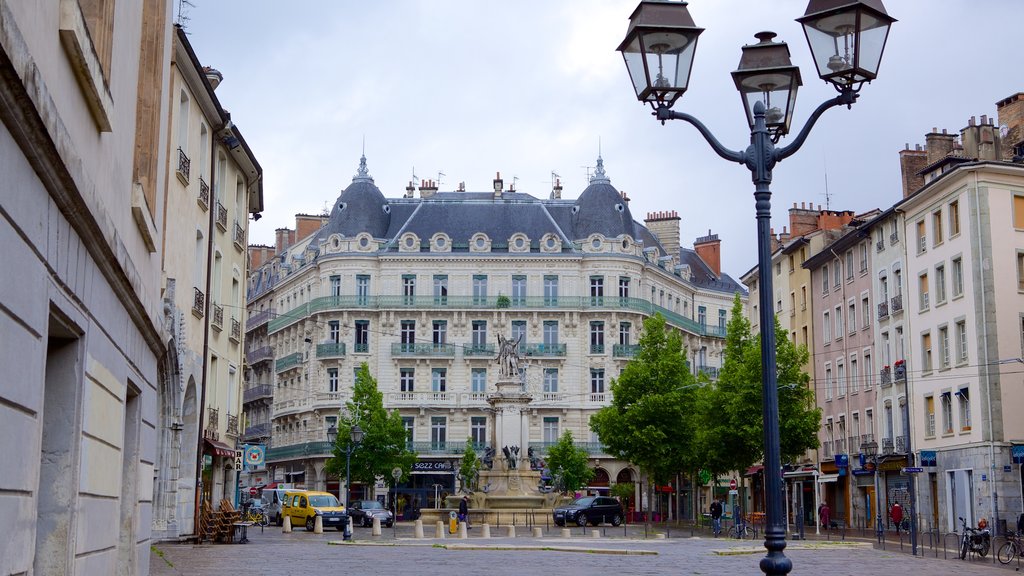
(357, 434)
(767, 75)
(658, 50)
(846, 38)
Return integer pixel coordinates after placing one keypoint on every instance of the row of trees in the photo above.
(662, 418)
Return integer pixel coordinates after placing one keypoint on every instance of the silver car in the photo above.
(364, 511)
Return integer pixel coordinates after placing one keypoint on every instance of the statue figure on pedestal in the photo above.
(508, 356)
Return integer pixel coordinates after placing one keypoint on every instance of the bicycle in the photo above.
(1012, 549)
(741, 530)
(257, 516)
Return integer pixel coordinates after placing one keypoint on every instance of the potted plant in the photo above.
(504, 301)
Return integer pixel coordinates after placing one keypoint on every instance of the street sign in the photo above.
(396, 473)
(911, 470)
(732, 484)
(734, 492)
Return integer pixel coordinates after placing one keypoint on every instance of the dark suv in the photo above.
(364, 511)
(590, 510)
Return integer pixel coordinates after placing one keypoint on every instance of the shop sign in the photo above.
(428, 466)
(1018, 453)
(842, 460)
(928, 457)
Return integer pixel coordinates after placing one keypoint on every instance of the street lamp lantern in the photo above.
(846, 38)
(658, 50)
(767, 75)
(357, 434)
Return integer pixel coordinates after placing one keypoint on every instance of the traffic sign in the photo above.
(912, 470)
(732, 484)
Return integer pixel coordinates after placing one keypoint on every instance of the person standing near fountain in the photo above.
(464, 511)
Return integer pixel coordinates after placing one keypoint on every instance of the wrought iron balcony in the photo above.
(257, 431)
(883, 310)
(184, 165)
(287, 362)
(222, 217)
(880, 245)
(232, 425)
(478, 350)
(854, 444)
(239, 237)
(840, 445)
(361, 347)
(257, 392)
(199, 303)
(887, 446)
(236, 330)
(204, 194)
(710, 371)
(261, 354)
(885, 376)
(218, 317)
(330, 350)
(894, 238)
(258, 319)
(901, 445)
(296, 451)
(900, 371)
(897, 303)
(422, 349)
(826, 450)
(592, 448)
(212, 417)
(625, 350)
(597, 348)
(545, 350)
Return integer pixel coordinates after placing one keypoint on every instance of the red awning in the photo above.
(271, 485)
(753, 470)
(219, 449)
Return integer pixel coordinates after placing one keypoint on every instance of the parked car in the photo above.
(304, 507)
(272, 499)
(364, 511)
(590, 510)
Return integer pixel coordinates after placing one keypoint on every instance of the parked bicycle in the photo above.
(742, 529)
(1012, 549)
(257, 515)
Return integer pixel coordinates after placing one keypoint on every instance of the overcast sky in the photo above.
(468, 88)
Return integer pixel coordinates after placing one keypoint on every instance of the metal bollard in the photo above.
(318, 524)
(418, 529)
(439, 530)
(375, 531)
(287, 524)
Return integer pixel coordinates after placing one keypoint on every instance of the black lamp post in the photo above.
(870, 451)
(846, 38)
(355, 438)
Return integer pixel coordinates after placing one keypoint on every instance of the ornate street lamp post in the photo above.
(846, 38)
(355, 438)
(870, 451)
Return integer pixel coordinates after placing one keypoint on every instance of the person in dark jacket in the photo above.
(464, 510)
(716, 516)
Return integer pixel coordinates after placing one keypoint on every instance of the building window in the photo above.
(478, 430)
(440, 332)
(824, 279)
(841, 378)
(519, 332)
(828, 382)
(407, 334)
(961, 341)
(332, 379)
(334, 331)
(837, 273)
(722, 318)
(478, 380)
(851, 317)
(518, 290)
(926, 352)
(849, 265)
(551, 290)
(551, 380)
(362, 336)
(624, 331)
(597, 384)
(803, 297)
(550, 429)
(479, 334)
(335, 285)
(623, 287)
(865, 309)
(438, 433)
(479, 289)
(407, 379)
(596, 290)
(441, 289)
(597, 337)
(408, 289)
(362, 290)
(940, 284)
(947, 413)
(863, 257)
(1020, 271)
(438, 381)
(944, 347)
(409, 423)
(827, 326)
(838, 317)
(1018, 212)
(954, 218)
(550, 332)
(929, 412)
(958, 277)
(922, 291)
(702, 316)
(921, 239)
(854, 374)
(937, 236)
(964, 396)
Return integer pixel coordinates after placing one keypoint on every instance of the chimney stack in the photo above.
(982, 140)
(498, 185)
(665, 227)
(306, 224)
(939, 145)
(802, 220)
(213, 76)
(912, 162)
(409, 190)
(1010, 111)
(427, 188)
(285, 238)
(556, 190)
(709, 249)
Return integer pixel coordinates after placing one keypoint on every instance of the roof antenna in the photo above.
(439, 175)
(182, 18)
(828, 197)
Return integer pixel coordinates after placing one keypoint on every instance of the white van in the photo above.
(272, 498)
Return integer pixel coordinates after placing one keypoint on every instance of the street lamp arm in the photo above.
(665, 113)
(848, 96)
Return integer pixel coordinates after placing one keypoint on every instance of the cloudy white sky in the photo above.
(467, 88)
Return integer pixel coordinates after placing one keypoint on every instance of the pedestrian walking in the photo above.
(824, 515)
(464, 511)
(896, 514)
(716, 516)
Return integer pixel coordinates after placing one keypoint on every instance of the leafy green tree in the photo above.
(383, 447)
(732, 432)
(470, 467)
(569, 464)
(651, 421)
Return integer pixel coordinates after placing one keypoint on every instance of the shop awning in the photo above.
(823, 478)
(753, 470)
(219, 449)
(799, 473)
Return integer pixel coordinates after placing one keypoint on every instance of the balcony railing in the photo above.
(236, 330)
(218, 317)
(866, 439)
(887, 446)
(184, 165)
(257, 431)
(258, 319)
(222, 217)
(597, 348)
(422, 349)
(598, 397)
(826, 450)
(232, 425)
(361, 348)
(423, 397)
(883, 310)
(239, 237)
(710, 371)
(257, 392)
(592, 448)
(287, 362)
(212, 418)
(900, 372)
(444, 447)
(545, 350)
(199, 303)
(840, 445)
(478, 350)
(625, 350)
(260, 354)
(880, 245)
(332, 303)
(897, 303)
(854, 444)
(901, 445)
(885, 376)
(304, 450)
(330, 350)
(204, 194)
(894, 238)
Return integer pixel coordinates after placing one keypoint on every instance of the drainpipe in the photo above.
(988, 368)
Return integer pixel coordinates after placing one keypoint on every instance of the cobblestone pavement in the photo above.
(618, 552)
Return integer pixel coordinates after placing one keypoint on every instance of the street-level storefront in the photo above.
(219, 475)
(801, 496)
(429, 482)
